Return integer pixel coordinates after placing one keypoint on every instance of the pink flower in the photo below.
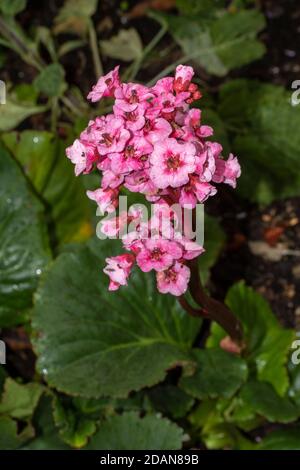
(184, 73)
(205, 164)
(156, 129)
(129, 95)
(154, 144)
(111, 180)
(133, 156)
(227, 171)
(112, 136)
(191, 249)
(107, 199)
(174, 280)
(192, 126)
(158, 254)
(195, 191)
(139, 182)
(171, 163)
(118, 269)
(105, 86)
(82, 156)
(134, 120)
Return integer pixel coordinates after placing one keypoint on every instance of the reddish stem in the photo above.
(211, 308)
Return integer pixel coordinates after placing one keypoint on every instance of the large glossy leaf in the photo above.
(10, 439)
(267, 343)
(126, 45)
(130, 432)
(266, 137)
(74, 429)
(261, 397)
(218, 44)
(46, 434)
(24, 248)
(43, 158)
(74, 15)
(170, 400)
(282, 439)
(18, 400)
(13, 113)
(12, 7)
(93, 342)
(51, 80)
(218, 374)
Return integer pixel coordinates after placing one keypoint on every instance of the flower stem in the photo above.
(213, 309)
(95, 51)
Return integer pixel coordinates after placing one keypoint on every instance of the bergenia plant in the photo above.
(154, 143)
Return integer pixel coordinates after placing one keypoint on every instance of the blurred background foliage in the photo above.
(87, 369)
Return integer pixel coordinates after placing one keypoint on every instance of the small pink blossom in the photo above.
(82, 156)
(156, 129)
(158, 254)
(129, 95)
(196, 191)
(105, 86)
(112, 136)
(132, 157)
(174, 280)
(111, 180)
(205, 165)
(171, 163)
(191, 249)
(227, 171)
(113, 226)
(118, 269)
(107, 199)
(139, 182)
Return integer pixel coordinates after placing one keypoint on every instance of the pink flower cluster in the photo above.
(153, 143)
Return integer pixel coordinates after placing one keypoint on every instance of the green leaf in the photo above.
(214, 238)
(13, 113)
(26, 93)
(216, 431)
(51, 81)
(268, 344)
(262, 398)
(94, 342)
(3, 376)
(126, 45)
(265, 127)
(9, 437)
(282, 439)
(218, 374)
(196, 7)
(43, 158)
(74, 429)
(19, 401)
(170, 400)
(130, 432)
(12, 7)
(74, 16)
(221, 44)
(24, 248)
(46, 432)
